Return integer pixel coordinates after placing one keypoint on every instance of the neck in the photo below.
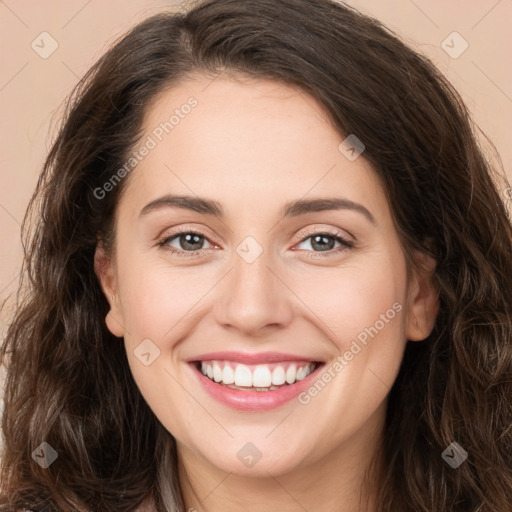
(335, 482)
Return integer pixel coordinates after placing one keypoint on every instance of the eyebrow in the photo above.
(290, 209)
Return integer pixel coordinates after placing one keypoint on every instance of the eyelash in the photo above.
(345, 244)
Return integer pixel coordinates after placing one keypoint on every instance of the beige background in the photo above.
(32, 88)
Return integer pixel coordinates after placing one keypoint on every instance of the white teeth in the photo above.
(301, 373)
(217, 372)
(243, 376)
(278, 376)
(291, 374)
(228, 375)
(261, 378)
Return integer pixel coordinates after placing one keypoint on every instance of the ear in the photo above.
(422, 300)
(104, 270)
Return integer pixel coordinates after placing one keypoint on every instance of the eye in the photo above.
(324, 241)
(190, 243)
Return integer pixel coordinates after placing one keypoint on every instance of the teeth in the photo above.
(278, 376)
(243, 376)
(228, 375)
(261, 377)
(217, 372)
(291, 374)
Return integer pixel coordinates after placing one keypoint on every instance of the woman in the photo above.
(269, 271)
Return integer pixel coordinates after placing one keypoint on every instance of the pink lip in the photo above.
(254, 400)
(246, 358)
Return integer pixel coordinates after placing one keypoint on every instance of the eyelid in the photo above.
(327, 231)
(180, 229)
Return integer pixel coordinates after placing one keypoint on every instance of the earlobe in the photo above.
(114, 325)
(106, 277)
(423, 299)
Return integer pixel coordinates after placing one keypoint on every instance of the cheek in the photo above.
(355, 297)
(156, 298)
(362, 311)
(155, 305)
(158, 308)
(365, 317)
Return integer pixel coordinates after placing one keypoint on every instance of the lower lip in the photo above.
(254, 400)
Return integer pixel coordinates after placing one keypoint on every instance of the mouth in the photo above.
(261, 377)
(255, 386)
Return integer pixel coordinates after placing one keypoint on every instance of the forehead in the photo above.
(253, 112)
(245, 142)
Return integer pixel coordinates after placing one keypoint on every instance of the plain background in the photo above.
(32, 88)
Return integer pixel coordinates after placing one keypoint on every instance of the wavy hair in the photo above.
(68, 382)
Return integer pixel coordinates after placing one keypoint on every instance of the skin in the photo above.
(253, 146)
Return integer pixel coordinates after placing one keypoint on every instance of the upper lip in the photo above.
(248, 358)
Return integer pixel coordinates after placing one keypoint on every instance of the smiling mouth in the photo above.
(260, 377)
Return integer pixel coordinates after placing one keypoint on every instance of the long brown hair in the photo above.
(68, 381)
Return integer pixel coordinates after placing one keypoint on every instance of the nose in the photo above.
(254, 298)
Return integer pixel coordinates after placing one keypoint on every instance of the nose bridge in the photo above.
(253, 295)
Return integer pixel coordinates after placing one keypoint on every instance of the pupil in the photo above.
(189, 241)
(323, 245)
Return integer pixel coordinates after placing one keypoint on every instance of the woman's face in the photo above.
(294, 266)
